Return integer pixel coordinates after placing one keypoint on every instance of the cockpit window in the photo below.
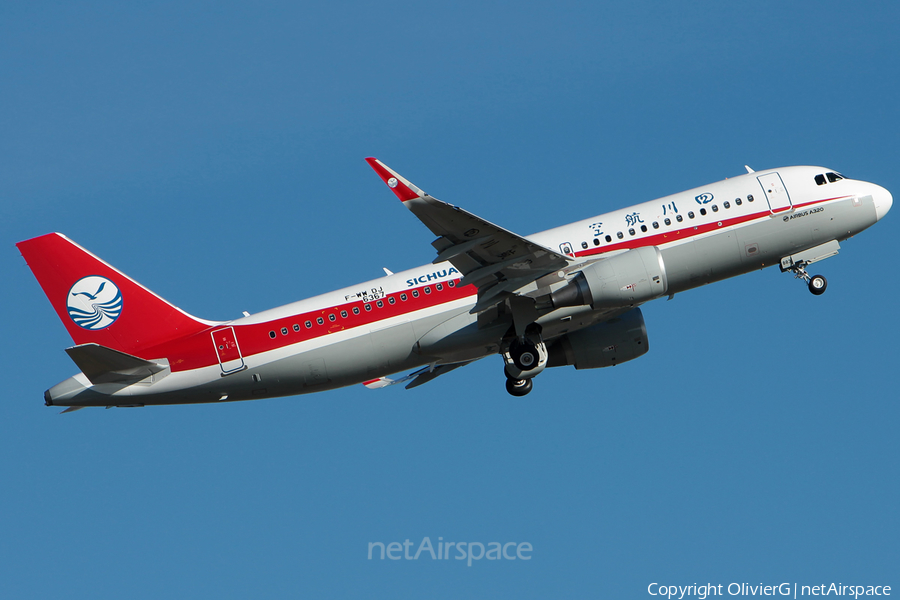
(832, 177)
(820, 180)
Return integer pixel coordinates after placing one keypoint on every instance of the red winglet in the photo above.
(400, 186)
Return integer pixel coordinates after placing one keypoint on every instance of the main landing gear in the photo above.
(816, 283)
(518, 387)
(524, 358)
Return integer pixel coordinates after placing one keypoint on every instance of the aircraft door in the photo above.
(566, 248)
(776, 192)
(227, 350)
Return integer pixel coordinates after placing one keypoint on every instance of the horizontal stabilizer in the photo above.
(376, 384)
(105, 365)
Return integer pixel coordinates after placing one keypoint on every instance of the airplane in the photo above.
(566, 296)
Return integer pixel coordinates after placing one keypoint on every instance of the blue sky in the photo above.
(214, 152)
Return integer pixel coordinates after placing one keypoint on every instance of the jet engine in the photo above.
(602, 345)
(626, 279)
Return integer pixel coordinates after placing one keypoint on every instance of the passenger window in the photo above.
(644, 228)
(368, 307)
(749, 197)
(655, 225)
(332, 318)
(355, 310)
(691, 215)
(284, 331)
(703, 211)
(820, 180)
(308, 324)
(451, 283)
(620, 235)
(679, 218)
(404, 296)
(584, 245)
(320, 321)
(715, 208)
(272, 334)
(380, 304)
(427, 289)
(438, 287)
(738, 201)
(608, 239)
(415, 293)
(596, 241)
(668, 221)
(631, 231)
(392, 300)
(727, 204)
(296, 327)
(343, 314)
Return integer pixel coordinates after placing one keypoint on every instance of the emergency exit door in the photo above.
(227, 350)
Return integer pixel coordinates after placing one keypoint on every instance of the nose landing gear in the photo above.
(797, 263)
(816, 283)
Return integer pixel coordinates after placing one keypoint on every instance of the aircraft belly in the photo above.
(766, 243)
(348, 362)
(461, 339)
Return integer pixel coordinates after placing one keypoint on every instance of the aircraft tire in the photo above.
(817, 285)
(519, 387)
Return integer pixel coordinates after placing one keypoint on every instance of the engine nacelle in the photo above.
(602, 345)
(626, 279)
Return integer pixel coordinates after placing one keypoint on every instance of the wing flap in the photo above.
(416, 378)
(428, 375)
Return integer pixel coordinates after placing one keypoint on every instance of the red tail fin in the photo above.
(99, 304)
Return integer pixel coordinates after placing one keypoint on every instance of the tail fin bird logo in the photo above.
(94, 302)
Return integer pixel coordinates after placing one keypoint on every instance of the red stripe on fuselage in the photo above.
(667, 237)
(197, 350)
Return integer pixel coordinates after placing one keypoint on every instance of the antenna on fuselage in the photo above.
(749, 170)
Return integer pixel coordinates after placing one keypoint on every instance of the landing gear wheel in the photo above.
(524, 356)
(519, 387)
(817, 285)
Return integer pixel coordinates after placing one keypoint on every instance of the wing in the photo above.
(498, 262)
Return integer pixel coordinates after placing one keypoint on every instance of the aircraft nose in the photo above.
(883, 202)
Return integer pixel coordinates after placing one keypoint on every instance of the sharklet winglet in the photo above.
(401, 186)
